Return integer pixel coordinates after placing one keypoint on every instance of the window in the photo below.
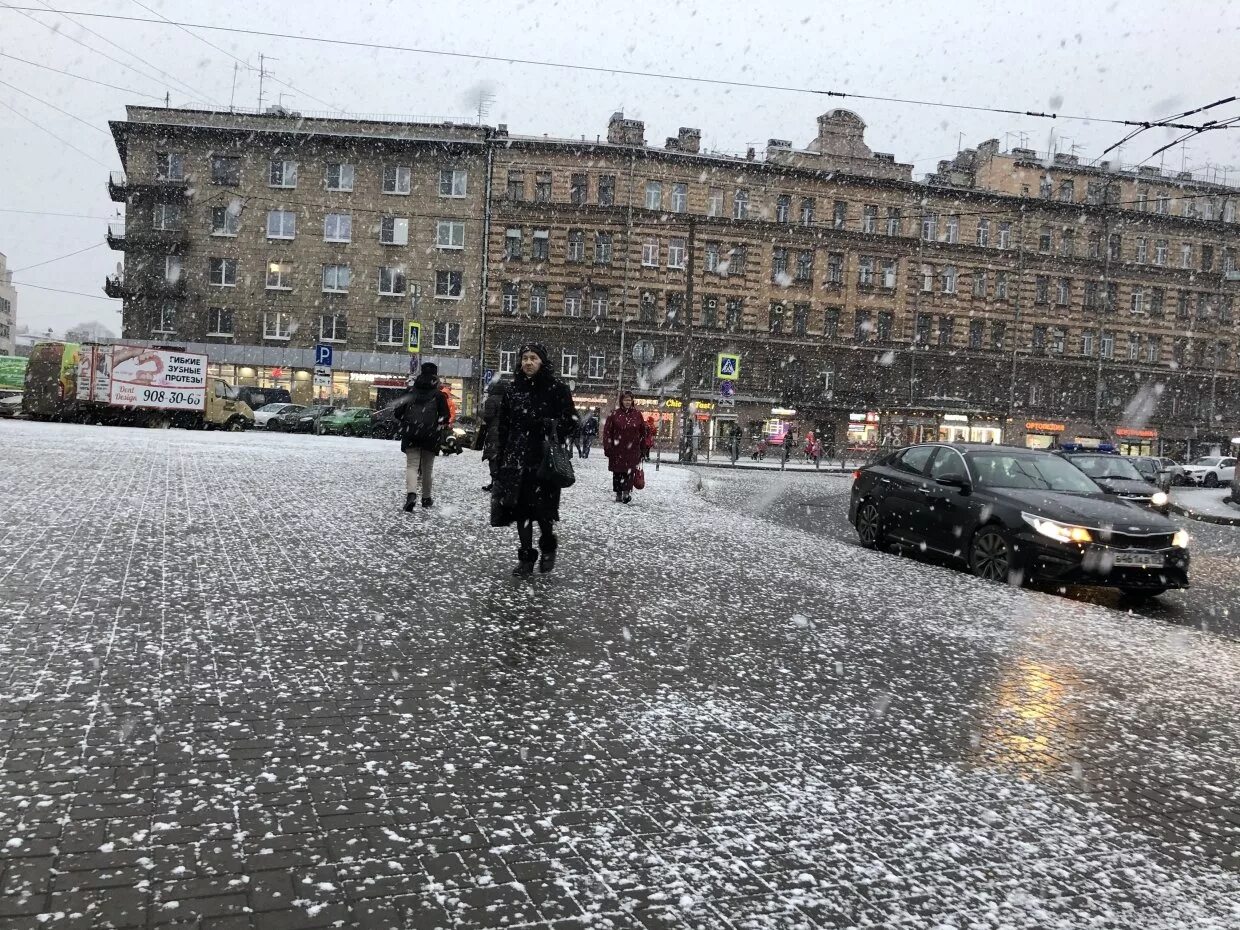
(835, 268)
(281, 224)
(777, 319)
(886, 321)
(579, 190)
(783, 208)
(1041, 289)
(568, 364)
(450, 234)
(392, 281)
(807, 211)
(1153, 349)
(1186, 255)
(712, 257)
(602, 248)
(167, 216)
(1203, 304)
(1067, 242)
(865, 271)
(1093, 194)
(1107, 345)
(219, 321)
(983, 232)
(453, 182)
(922, 332)
(167, 322)
(863, 326)
(596, 366)
(333, 327)
(447, 335)
(839, 214)
(507, 361)
(1158, 297)
(947, 330)
(279, 276)
(949, 279)
(977, 332)
(1207, 257)
(340, 176)
(740, 204)
(927, 278)
(714, 202)
(338, 227)
(390, 331)
(169, 166)
(1001, 285)
(930, 227)
(1092, 295)
(738, 259)
(1044, 239)
(734, 314)
(1112, 300)
(1160, 252)
(998, 333)
(1226, 309)
(1134, 347)
(1114, 246)
(1164, 204)
(576, 246)
(223, 272)
(890, 273)
(1039, 338)
(511, 299)
(277, 324)
(282, 174)
(225, 170)
(1138, 300)
(779, 265)
(225, 221)
(1182, 307)
(674, 312)
(869, 218)
(676, 253)
(805, 266)
(1059, 337)
(538, 300)
(573, 303)
(654, 195)
(394, 230)
(1142, 252)
(710, 311)
(1045, 187)
(607, 190)
(1005, 235)
(648, 307)
(895, 222)
(953, 229)
(512, 244)
(800, 319)
(542, 245)
(336, 278)
(396, 179)
(172, 268)
(598, 303)
(449, 284)
(516, 186)
(1063, 294)
(650, 252)
(979, 283)
(831, 323)
(1067, 191)
(915, 459)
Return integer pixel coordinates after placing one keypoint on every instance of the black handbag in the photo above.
(557, 464)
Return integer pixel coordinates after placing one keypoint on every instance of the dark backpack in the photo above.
(421, 420)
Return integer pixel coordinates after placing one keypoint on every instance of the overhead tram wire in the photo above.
(62, 141)
(599, 69)
(1165, 121)
(79, 77)
(1224, 124)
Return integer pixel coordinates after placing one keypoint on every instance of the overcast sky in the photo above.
(1138, 60)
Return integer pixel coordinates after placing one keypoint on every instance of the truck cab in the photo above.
(225, 409)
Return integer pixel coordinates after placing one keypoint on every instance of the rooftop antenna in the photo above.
(233, 96)
(262, 73)
(167, 100)
(485, 99)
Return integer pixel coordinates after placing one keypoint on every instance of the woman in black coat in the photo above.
(537, 408)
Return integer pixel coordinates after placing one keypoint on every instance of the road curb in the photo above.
(1206, 517)
(831, 470)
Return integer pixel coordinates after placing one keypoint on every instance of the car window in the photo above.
(1029, 472)
(1105, 466)
(914, 459)
(1208, 462)
(1229, 463)
(948, 464)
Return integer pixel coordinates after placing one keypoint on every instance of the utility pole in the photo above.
(686, 392)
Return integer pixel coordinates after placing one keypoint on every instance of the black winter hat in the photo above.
(429, 370)
(537, 348)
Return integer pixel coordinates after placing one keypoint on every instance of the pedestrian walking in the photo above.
(734, 442)
(536, 412)
(652, 430)
(423, 416)
(624, 438)
(488, 434)
(589, 430)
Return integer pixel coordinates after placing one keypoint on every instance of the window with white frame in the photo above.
(281, 224)
(930, 226)
(172, 269)
(507, 361)
(340, 176)
(392, 281)
(336, 279)
(573, 302)
(1142, 251)
(983, 232)
(1138, 300)
(447, 335)
(1005, 235)
(538, 300)
(1153, 348)
(712, 257)
(511, 300)
(949, 279)
(1186, 255)
(449, 284)
(714, 202)
(927, 278)
(396, 179)
(541, 250)
(453, 182)
(390, 331)
(167, 216)
(596, 366)
(1063, 294)
(568, 364)
(169, 166)
(654, 195)
(895, 221)
(1107, 345)
(680, 198)
(650, 253)
(740, 204)
(222, 272)
(219, 321)
(890, 272)
(576, 246)
(1134, 347)
(394, 230)
(338, 227)
(1058, 338)
(1160, 251)
(953, 229)
(277, 324)
(225, 221)
(282, 173)
(676, 253)
(450, 234)
(602, 248)
(869, 218)
(865, 271)
(167, 322)
(512, 243)
(279, 276)
(979, 283)
(599, 297)
(333, 327)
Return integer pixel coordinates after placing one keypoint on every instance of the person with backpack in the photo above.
(624, 435)
(487, 432)
(589, 429)
(423, 416)
(536, 412)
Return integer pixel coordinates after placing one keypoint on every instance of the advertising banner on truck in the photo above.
(159, 378)
(94, 373)
(12, 373)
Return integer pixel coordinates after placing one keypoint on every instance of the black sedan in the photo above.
(1118, 476)
(1014, 514)
(304, 420)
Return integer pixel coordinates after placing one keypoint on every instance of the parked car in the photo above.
(465, 429)
(264, 417)
(384, 424)
(1211, 470)
(349, 421)
(1013, 514)
(1151, 469)
(304, 420)
(1118, 475)
(258, 397)
(1173, 469)
(10, 406)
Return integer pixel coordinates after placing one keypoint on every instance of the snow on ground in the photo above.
(234, 667)
(1212, 502)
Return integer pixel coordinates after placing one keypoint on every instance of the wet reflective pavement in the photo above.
(241, 689)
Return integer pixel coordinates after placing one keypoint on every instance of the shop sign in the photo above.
(783, 412)
(1136, 433)
(1035, 426)
(705, 405)
(955, 418)
(672, 403)
(727, 367)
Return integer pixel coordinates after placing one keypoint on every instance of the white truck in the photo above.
(142, 386)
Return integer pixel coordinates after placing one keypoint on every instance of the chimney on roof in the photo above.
(1149, 171)
(1184, 176)
(501, 131)
(1063, 158)
(689, 139)
(750, 154)
(621, 131)
(1024, 153)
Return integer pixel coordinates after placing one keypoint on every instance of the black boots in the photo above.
(546, 557)
(525, 562)
(427, 502)
(411, 501)
(619, 497)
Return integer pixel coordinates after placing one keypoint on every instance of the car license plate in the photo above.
(1138, 560)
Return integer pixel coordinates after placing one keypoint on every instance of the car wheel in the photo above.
(1142, 593)
(991, 555)
(1210, 480)
(870, 525)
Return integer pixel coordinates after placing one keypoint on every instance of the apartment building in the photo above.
(8, 310)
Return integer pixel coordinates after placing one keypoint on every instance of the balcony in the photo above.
(114, 286)
(164, 241)
(121, 189)
(118, 187)
(116, 237)
(148, 286)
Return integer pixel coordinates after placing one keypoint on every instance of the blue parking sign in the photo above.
(323, 355)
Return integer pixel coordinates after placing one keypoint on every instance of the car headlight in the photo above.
(1180, 539)
(1159, 499)
(1060, 532)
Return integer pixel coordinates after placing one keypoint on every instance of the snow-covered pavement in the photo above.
(241, 689)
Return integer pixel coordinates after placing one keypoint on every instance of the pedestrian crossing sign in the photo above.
(414, 341)
(727, 367)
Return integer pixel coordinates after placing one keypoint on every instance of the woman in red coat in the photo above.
(623, 435)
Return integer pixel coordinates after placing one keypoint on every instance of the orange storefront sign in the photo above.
(1034, 426)
(1136, 433)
